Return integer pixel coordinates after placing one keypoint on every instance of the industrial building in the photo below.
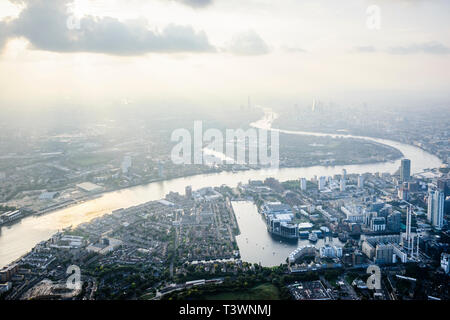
(89, 187)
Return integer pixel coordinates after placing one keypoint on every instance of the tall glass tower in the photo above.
(405, 170)
(436, 208)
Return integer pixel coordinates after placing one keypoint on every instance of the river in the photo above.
(18, 239)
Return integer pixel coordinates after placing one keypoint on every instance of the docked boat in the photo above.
(303, 235)
(313, 237)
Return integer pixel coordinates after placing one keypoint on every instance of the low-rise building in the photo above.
(328, 251)
(302, 252)
(7, 272)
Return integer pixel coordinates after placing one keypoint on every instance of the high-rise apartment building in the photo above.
(405, 170)
(436, 208)
(303, 184)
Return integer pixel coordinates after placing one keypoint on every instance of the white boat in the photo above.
(312, 237)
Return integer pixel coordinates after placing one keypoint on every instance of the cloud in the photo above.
(196, 3)
(248, 43)
(427, 47)
(365, 49)
(47, 25)
(3, 34)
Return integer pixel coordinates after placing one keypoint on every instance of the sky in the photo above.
(219, 52)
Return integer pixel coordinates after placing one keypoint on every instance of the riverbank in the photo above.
(294, 162)
(393, 137)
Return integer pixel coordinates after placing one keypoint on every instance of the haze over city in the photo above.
(194, 150)
(214, 53)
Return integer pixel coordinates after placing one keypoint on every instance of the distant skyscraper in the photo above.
(303, 184)
(405, 170)
(342, 185)
(344, 174)
(126, 164)
(360, 181)
(322, 181)
(408, 227)
(160, 169)
(436, 208)
(189, 192)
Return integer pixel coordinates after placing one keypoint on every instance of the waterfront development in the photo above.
(320, 224)
(256, 245)
(17, 239)
(205, 238)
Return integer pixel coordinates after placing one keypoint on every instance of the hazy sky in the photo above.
(206, 51)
